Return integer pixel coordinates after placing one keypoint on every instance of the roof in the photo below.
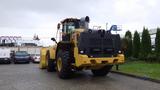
(69, 20)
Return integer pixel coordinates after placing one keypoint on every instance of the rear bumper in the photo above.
(22, 60)
(84, 60)
(5, 60)
(36, 60)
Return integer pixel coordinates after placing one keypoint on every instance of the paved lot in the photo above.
(30, 77)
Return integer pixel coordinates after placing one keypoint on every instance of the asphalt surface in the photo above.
(30, 77)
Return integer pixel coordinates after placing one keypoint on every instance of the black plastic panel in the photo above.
(99, 43)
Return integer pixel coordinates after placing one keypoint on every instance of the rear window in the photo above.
(21, 53)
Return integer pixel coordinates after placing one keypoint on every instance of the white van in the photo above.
(5, 56)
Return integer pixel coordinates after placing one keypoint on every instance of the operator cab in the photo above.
(70, 24)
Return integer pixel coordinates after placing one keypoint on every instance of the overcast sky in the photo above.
(28, 17)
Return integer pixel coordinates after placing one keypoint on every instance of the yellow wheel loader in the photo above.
(80, 48)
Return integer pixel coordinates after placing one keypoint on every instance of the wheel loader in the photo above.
(80, 48)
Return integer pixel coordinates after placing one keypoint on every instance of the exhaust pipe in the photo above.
(84, 22)
(85, 19)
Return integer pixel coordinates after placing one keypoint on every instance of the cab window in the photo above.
(69, 27)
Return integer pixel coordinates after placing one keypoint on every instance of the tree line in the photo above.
(140, 47)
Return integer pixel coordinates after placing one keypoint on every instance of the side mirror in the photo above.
(53, 39)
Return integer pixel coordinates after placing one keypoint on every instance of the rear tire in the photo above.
(103, 71)
(63, 64)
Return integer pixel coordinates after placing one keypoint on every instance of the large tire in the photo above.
(103, 71)
(51, 65)
(63, 64)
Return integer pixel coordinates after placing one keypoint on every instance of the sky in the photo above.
(28, 17)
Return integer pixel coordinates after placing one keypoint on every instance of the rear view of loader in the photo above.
(82, 48)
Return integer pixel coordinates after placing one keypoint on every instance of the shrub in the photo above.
(157, 42)
(145, 44)
(136, 45)
(128, 37)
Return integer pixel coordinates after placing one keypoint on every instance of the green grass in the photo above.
(141, 68)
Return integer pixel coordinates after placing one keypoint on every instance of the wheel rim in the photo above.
(59, 64)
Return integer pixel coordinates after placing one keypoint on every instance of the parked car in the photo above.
(5, 56)
(21, 57)
(36, 58)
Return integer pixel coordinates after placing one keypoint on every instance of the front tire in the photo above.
(102, 71)
(63, 64)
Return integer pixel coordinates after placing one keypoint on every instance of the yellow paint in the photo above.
(52, 51)
(84, 60)
(75, 35)
(43, 63)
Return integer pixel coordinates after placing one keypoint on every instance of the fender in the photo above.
(52, 52)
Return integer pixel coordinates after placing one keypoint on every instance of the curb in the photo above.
(138, 77)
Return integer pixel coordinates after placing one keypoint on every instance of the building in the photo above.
(9, 40)
(29, 43)
(12, 41)
(152, 33)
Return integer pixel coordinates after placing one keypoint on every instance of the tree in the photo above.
(157, 42)
(128, 51)
(145, 43)
(124, 44)
(136, 45)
